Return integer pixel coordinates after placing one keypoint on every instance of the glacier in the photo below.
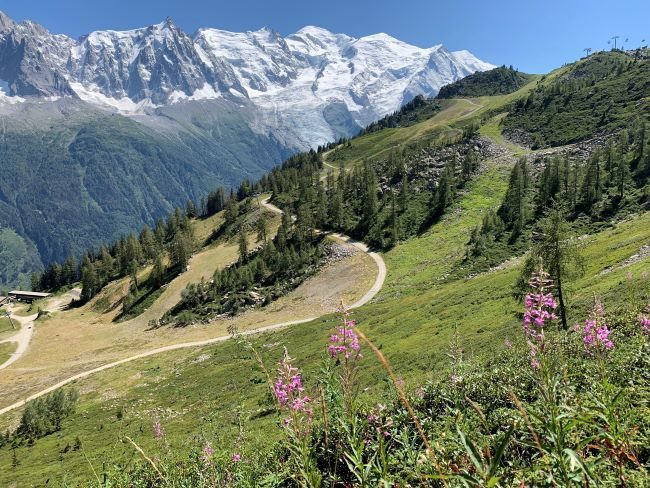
(304, 89)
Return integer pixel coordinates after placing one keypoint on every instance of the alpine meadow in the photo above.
(260, 259)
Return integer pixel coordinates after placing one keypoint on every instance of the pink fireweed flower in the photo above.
(596, 333)
(158, 431)
(207, 452)
(540, 308)
(288, 389)
(345, 342)
(644, 321)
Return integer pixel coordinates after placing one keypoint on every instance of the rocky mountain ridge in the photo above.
(311, 86)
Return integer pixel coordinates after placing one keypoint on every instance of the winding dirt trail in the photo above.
(21, 338)
(369, 295)
(379, 261)
(24, 336)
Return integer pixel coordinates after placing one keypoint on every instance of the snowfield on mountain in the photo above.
(312, 86)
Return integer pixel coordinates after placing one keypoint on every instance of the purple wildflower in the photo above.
(288, 388)
(644, 321)
(207, 452)
(158, 431)
(596, 333)
(236, 457)
(540, 309)
(345, 342)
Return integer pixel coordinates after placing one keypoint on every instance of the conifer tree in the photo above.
(554, 248)
(180, 251)
(157, 273)
(514, 209)
(621, 177)
(394, 221)
(243, 245)
(370, 204)
(89, 280)
(261, 227)
(591, 189)
(231, 212)
(160, 232)
(148, 243)
(190, 210)
(444, 193)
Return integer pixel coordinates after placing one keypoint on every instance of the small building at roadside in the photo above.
(27, 296)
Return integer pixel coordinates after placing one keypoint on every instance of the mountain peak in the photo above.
(314, 30)
(6, 23)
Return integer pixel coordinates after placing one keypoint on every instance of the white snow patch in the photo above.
(123, 105)
(4, 94)
(206, 92)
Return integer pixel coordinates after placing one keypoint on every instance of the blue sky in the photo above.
(534, 36)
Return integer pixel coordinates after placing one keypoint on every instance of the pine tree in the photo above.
(148, 243)
(105, 265)
(261, 228)
(157, 275)
(180, 251)
(444, 193)
(243, 245)
(70, 270)
(591, 189)
(556, 251)
(394, 221)
(89, 280)
(160, 232)
(514, 209)
(190, 210)
(404, 192)
(370, 204)
(231, 212)
(621, 177)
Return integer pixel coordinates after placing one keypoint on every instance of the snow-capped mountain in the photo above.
(304, 89)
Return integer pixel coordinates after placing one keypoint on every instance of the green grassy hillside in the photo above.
(600, 94)
(215, 391)
(498, 81)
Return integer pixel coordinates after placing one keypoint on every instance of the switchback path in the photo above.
(24, 335)
(379, 261)
(370, 294)
(21, 338)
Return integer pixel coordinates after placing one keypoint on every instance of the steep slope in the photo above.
(432, 311)
(76, 176)
(600, 94)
